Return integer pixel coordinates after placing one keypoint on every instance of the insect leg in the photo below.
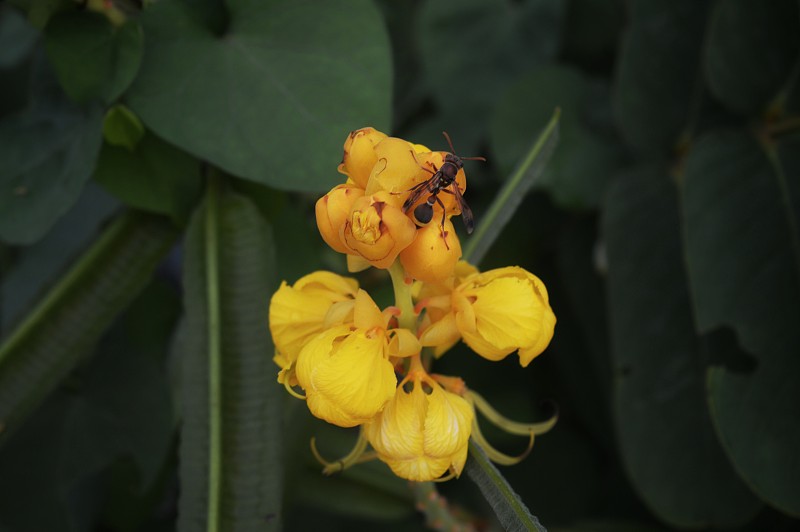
(444, 213)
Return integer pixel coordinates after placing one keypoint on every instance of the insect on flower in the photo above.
(441, 180)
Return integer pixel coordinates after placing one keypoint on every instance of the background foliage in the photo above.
(158, 169)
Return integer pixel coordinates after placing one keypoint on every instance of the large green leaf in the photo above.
(154, 176)
(49, 152)
(584, 161)
(667, 441)
(72, 316)
(274, 97)
(230, 440)
(742, 246)
(657, 80)
(17, 37)
(93, 59)
(751, 48)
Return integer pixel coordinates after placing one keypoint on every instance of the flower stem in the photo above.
(402, 297)
(214, 351)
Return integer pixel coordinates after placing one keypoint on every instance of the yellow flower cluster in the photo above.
(358, 365)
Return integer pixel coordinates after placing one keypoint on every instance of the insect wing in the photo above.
(416, 193)
(466, 212)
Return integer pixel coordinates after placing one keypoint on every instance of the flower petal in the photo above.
(346, 376)
(359, 154)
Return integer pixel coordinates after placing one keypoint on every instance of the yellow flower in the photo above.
(502, 311)
(377, 229)
(438, 328)
(359, 155)
(332, 211)
(297, 313)
(420, 435)
(433, 254)
(495, 313)
(346, 372)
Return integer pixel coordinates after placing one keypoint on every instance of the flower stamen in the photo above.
(355, 456)
(502, 422)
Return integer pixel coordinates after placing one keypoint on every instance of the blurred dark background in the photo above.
(665, 228)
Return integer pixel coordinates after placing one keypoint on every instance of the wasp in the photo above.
(442, 179)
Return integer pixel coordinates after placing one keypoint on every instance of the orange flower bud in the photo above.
(332, 211)
(398, 166)
(359, 155)
(433, 254)
(377, 229)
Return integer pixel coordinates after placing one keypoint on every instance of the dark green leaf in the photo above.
(93, 59)
(115, 406)
(584, 161)
(124, 403)
(584, 367)
(273, 99)
(610, 525)
(230, 440)
(49, 152)
(658, 72)
(70, 319)
(17, 37)
(155, 176)
(740, 206)
(40, 11)
(369, 491)
(593, 27)
(751, 48)
(38, 266)
(472, 49)
(668, 444)
(31, 496)
(410, 86)
(528, 170)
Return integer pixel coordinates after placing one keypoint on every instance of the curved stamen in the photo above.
(449, 476)
(355, 456)
(495, 455)
(291, 391)
(512, 427)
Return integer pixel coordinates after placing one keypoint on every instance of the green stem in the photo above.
(214, 352)
(402, 297)
(507, 505)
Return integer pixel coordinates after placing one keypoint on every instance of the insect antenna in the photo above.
(450, 142)
(453, 150)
